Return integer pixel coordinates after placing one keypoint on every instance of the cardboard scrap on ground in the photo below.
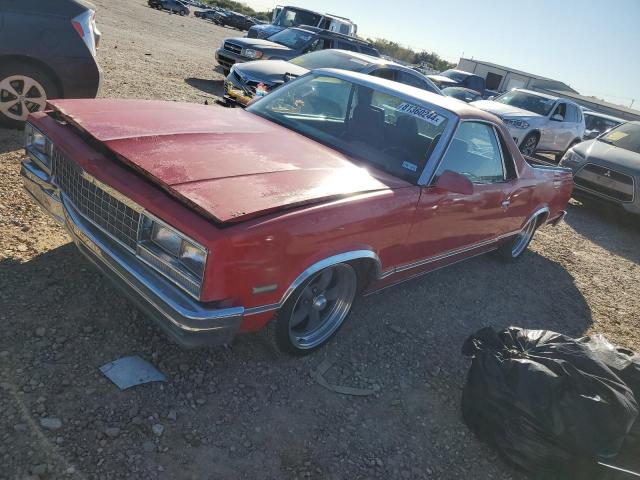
(128, 372)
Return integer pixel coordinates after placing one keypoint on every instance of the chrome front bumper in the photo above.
(189, 322)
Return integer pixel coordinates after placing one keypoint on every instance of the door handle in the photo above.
(506, 203)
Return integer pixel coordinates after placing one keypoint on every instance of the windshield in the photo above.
(597, 123)
(625, 136)
(377, 128)
(291, 17)
(527, 101)
(455, 75)
(330, 59)
(292, 38)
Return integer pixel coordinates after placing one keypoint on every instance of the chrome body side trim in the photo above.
(420, 274)
(442, 256)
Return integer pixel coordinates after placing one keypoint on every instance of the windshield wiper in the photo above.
(608, 142)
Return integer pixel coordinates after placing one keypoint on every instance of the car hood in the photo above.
(504, 111)
(442, 80)
(245, 42)
(269, 71)
(611, 156)
(228, 164)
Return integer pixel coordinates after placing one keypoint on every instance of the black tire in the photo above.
(226, 71)
(529, 144)
(279, 329)
(44, 86)
(515, 248)
(560, 155)
(182, 13)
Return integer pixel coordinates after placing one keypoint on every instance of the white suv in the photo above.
(538, 122)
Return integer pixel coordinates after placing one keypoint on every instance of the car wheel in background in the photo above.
(182, 13)
(24, 89)
(315, 310)
(529, 144)
(514, 248)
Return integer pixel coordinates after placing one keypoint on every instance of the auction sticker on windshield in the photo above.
(424, 113)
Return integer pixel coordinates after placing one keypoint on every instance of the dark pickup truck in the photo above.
(459, 78)
(286, 45)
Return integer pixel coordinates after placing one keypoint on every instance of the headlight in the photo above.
(37, 145)
(173, 254)
(515, 123)
(166, 238)
(571, 157)
(251, 53)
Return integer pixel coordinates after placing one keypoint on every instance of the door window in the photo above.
(572, 114)
(384, 73)
(561, 110)
(475, 153)
(409, 79)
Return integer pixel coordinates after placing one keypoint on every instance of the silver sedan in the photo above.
(609, 166)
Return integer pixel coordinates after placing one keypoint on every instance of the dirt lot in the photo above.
(243, 412)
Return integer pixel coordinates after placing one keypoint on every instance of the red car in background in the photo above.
(214, 220)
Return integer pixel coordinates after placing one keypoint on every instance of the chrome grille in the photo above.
(94, 202)
(606, 182)
(232, 47)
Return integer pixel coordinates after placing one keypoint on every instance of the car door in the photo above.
(454, 225)
(556, 130)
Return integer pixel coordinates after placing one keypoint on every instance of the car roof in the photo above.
(602, 115)
(456, 107)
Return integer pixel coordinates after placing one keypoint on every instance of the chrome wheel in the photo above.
(21, 95)
(529, 145)
(322, 306)
(524, 237)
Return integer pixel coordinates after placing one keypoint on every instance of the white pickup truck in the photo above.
(538, 122)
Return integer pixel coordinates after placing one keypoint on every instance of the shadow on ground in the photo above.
(212, 87)
(10, 139)
(607, 225)
(245, 406)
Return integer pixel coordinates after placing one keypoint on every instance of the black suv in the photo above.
(47, 50)
(287, 44)
(234, 20)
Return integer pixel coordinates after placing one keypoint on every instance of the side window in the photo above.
(475, 153)
(317, 44)
(409, 79)
(572, 114)
(345, 45)
(561, 109)
(384, 73)
(474, 83)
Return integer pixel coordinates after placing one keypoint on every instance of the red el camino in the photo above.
(219, 221)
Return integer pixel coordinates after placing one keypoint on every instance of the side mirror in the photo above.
(455, 183)
(557, 117)
(590, 134)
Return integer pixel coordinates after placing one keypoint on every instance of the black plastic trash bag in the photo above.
(551, 405)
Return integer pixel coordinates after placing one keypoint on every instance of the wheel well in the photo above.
(535, 132)
(23, 60)
(366, 269)
(541, 218)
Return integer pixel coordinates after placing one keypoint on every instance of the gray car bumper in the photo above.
(189, 322)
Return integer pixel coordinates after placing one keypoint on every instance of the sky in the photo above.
(592, 45)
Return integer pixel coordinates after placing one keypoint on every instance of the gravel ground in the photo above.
(243, 412)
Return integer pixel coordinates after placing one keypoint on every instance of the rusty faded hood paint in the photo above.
(228, 164)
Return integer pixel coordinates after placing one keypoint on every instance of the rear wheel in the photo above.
(315, 311)
(24, 89)
(514, 248)
(529, 144)
(182, 13)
